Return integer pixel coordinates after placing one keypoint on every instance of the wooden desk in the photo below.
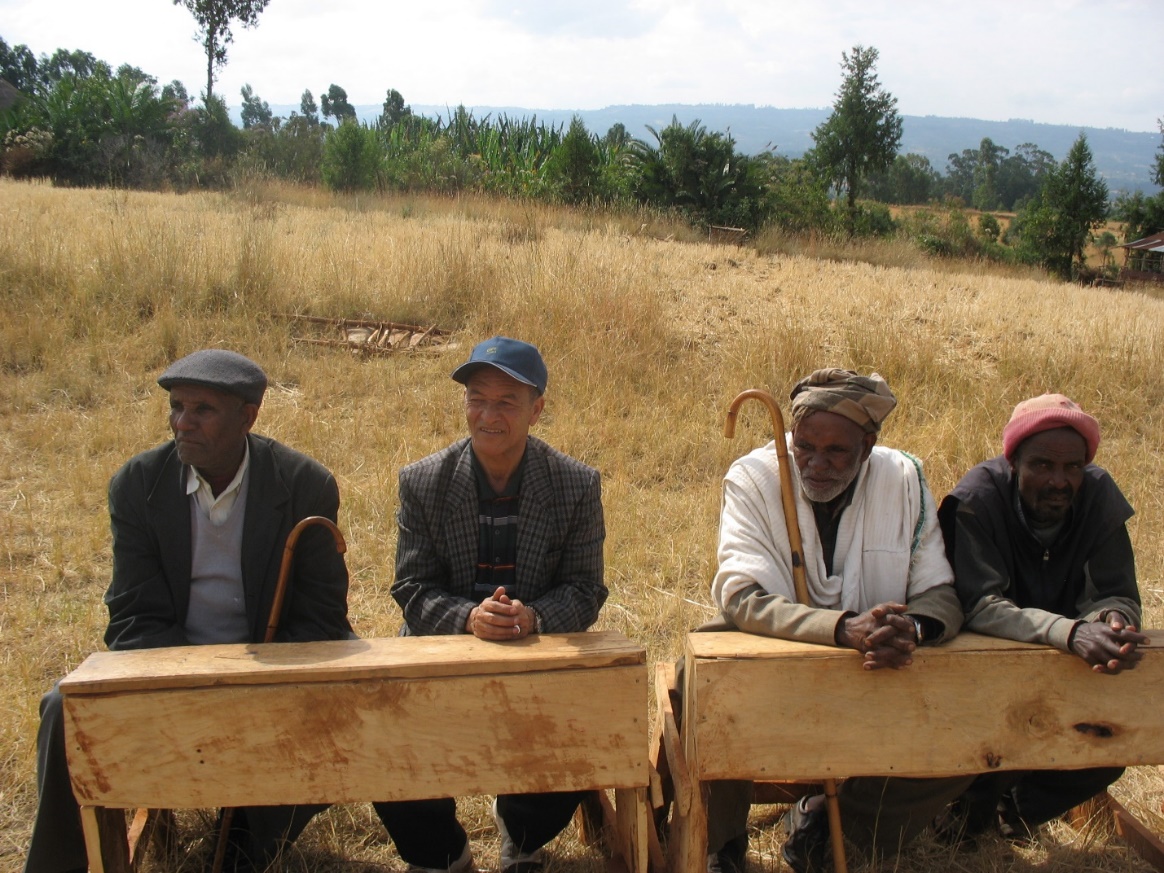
(360, 720)
(765, 709)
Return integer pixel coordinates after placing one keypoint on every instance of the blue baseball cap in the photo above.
(513, 357)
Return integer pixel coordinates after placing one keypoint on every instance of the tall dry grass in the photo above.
(647, 339)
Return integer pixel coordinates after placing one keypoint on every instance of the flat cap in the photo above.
(221, 369)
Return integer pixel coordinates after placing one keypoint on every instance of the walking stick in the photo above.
(799, 579)
(269, 636)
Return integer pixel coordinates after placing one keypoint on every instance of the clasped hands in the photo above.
(1109, 646)
(883, 634)
(500, 618)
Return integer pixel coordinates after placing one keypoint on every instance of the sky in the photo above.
(1075, 62)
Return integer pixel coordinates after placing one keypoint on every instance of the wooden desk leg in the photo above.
(687, 841)
(633, 821)
(105, 839)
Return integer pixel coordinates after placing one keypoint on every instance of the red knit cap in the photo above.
(1047, 412)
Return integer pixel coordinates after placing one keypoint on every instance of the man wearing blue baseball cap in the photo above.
(500, 536)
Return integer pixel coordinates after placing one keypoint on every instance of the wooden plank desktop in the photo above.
(765, 709)
(357, 720)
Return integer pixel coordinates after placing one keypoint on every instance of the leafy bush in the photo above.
(351, 158)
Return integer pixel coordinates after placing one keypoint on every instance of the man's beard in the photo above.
(833, 490)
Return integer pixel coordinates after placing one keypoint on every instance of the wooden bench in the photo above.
(765, 709)
(359, 720)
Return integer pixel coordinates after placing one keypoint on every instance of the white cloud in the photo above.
(992, 59)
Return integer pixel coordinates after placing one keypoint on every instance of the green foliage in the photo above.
(910, 179)
(18, 67)
(1054, 228)
(988, 227)
(990, 177)
(351, 157)
(872, 219)
(307, 107)
(176, 93)
(255, 111)
(91, 130)
(214, 19)
(293, 150)
(395, 111)
(334, 104)
(1142, 215)
(573, 170)
(699, 175)
(863, 133)
(797, 198)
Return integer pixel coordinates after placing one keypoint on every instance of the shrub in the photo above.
(351, 158)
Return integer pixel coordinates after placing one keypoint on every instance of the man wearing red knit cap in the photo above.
(1039, 544)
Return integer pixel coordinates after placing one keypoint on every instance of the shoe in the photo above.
(962, 823)
(463, 864)
(808, 838)
(1012, 826)
(513, 860)
(732, 858)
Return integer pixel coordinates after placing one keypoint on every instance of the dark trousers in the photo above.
(58, 842)
(427, 833)
(879, 815)
(1036, 796)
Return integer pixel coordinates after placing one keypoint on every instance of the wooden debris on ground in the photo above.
(373, 337)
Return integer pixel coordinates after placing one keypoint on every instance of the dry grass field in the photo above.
(647, 339)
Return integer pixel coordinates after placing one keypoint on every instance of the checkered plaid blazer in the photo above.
(560, 531)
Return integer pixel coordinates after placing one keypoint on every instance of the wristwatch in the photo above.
(917, 627)
(537, 629)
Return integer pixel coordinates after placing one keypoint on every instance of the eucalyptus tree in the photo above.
(215, 18)
(863, 133)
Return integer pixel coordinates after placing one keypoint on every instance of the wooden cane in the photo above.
(269, 636)
(799, 578)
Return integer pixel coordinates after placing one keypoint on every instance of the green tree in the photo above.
(1055, 227)
(863, 133)
(77, 63)
(351, 157)
(335, 104)
(18, 67)
(176, 92)
(395, 110)
(215, 18)
(698, 174)
(573, 168)
(308, 108)
(910, 179)
(255, 111)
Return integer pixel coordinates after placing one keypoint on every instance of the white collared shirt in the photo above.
(218, 508)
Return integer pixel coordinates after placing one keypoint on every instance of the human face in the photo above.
(829, 450)
(210, 428)
(500, 411)
(1049, 467)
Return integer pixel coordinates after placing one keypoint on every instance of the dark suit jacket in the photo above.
(560, 532)
(149, 511)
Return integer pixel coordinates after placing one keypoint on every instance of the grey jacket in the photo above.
(559, 541)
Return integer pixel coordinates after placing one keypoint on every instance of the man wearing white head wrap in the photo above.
(878, 582)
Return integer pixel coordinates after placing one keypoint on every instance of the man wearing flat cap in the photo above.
(877, 578)
(199, 525)
(1039, 543)
(500, 536)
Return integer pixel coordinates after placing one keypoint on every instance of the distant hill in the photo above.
(1124, 158)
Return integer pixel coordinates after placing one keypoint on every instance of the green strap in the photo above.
(921, 516)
